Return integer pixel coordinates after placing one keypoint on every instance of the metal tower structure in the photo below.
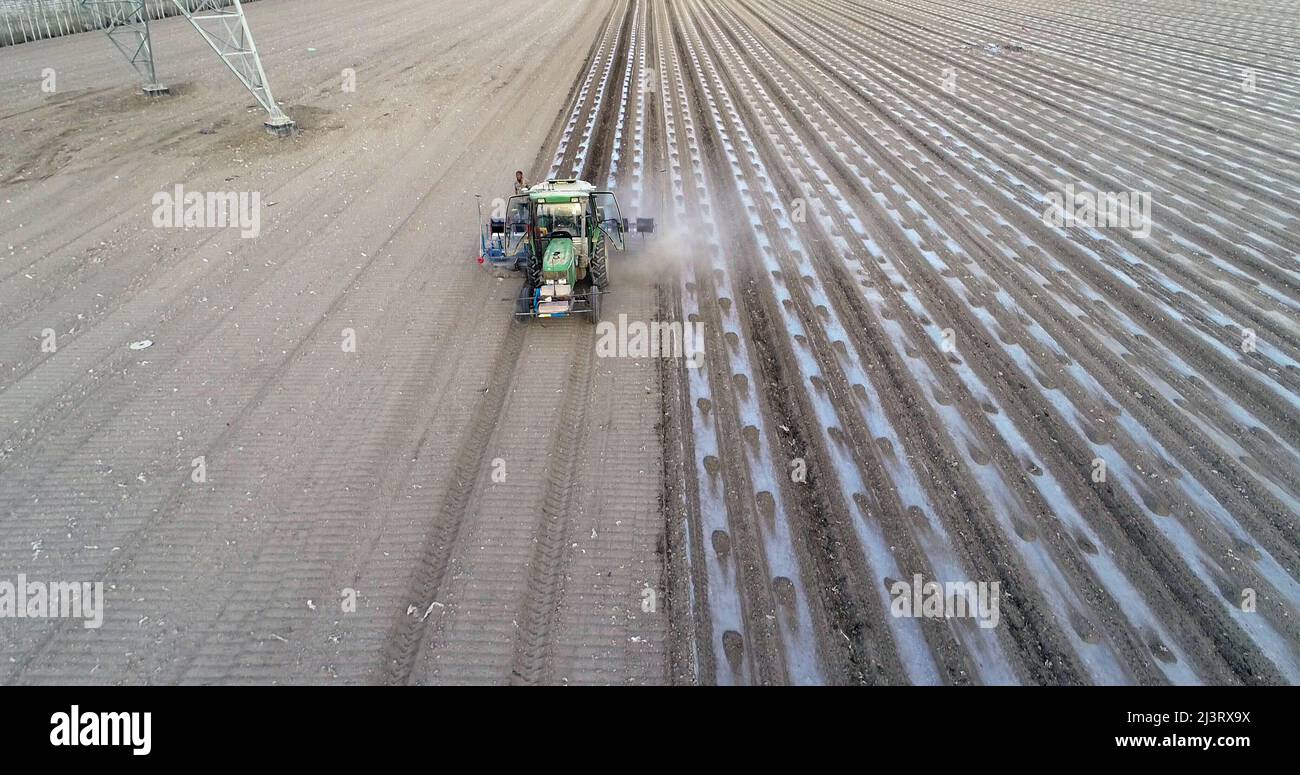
(126, 23)
(222, 26)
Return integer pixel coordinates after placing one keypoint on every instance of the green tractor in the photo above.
(563, 228)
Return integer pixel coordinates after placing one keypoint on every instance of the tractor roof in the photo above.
(560, 190)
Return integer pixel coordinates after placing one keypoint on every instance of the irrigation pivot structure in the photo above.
(127, 27)
(222, 25)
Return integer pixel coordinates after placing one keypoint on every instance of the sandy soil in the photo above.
(325, 470)
(907, 370)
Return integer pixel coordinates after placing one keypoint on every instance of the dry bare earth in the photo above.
(881, 300)
(326, 470)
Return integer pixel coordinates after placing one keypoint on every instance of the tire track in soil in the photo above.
(408, 633)
(139, 536)
(532, 661)
(274, 558)
(532, 664)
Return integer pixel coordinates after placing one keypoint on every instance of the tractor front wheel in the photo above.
(524, 303)
(533, 271)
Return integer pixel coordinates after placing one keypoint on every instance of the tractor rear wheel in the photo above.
(599, 276)
(594, 298)
(599, 267)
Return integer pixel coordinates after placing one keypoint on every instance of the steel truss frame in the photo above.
(221, 24)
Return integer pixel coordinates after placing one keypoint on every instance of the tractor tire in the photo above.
(533, 273)
(524, 304)
(599, 269)
(595, 300)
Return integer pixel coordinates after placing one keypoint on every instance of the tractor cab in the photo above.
(568, 208)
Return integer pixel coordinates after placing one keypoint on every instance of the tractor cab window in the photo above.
(516, 223)
(608, 217)
(559, 217)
